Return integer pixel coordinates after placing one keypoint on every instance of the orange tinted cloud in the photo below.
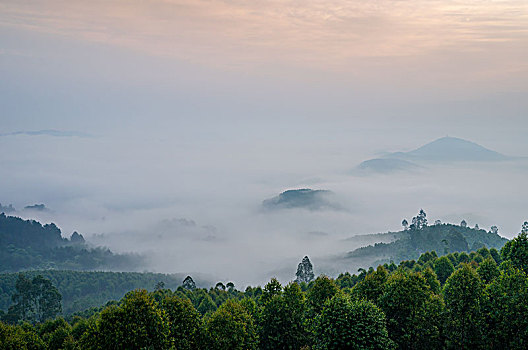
(320, 34)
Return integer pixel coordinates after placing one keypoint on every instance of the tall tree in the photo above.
(231, 327)
(516, 250)
(488, 270)
(524, 228)
(188, 283)
(463, 295)
(304, 271)
(371, 288)
(507, 311)
(322, 289)
(281, 323)
(419, 221)
(35, 300)
(185, 323)
(443, 269)
(414, 314)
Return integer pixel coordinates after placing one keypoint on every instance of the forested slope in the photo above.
(27, 244)
(81, 290)
(442, 238)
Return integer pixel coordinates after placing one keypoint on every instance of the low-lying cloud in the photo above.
(190, 211)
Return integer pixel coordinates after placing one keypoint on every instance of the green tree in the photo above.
(55, 333)
(206, 305)
(463, 295)
(231, 327)
(371, 288)
(507, 311)
(18, 338)
(345, 324)
(304, 271)
(413, 313)
(281, 323)
(322, 289)
(35, 300)
(185, 323)
(432, 280)
(136, 324)
(420, 221)
(271, 289)
(488, 270)
(443, 269)
(516, 250)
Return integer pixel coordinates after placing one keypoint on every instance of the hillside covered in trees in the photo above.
(475, 300)
(82, 290)
(27, 244)
(419, 237)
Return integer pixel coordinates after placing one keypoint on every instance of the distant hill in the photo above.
(443, 238)
(303, 198)
(445, 149)
(27, 244)
(451, 149)
(82, 290)
(36, 207)
(386, 165)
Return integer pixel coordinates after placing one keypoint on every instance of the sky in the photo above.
(125, 117)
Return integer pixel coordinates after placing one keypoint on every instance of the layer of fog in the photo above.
(195, 207)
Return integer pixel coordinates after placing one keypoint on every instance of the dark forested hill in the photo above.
(443, 238)
(303, 198)
(82, 290)
(27, 244)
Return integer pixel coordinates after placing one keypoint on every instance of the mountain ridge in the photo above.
(444, 149)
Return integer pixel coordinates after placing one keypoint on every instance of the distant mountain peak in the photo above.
(444, 149)
(451, 149)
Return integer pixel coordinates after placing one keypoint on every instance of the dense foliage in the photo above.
(442, 238)
(81, 290)
(481, 302)
(27, 244)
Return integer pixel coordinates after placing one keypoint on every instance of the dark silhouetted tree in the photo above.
(188, 283)
(35, 300)
(419, 221)
(524, 228)
(304, 271)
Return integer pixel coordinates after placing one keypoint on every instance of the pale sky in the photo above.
(298, 59)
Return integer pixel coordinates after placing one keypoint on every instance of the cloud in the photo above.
(54, 133)
(323, 34)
